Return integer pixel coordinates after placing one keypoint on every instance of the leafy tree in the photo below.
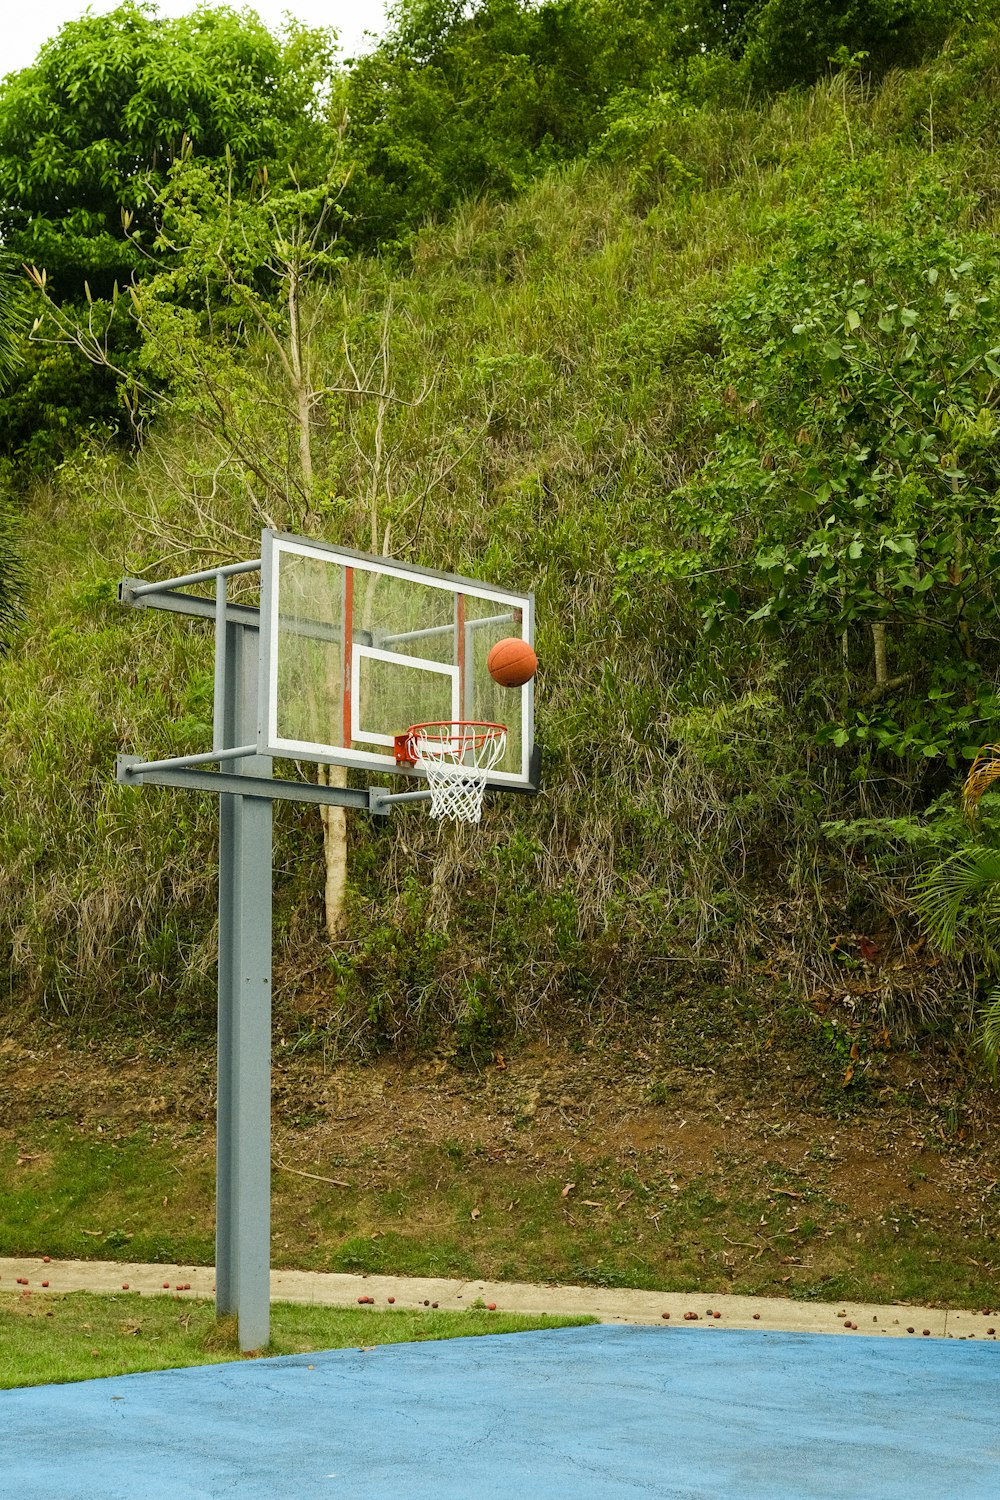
(846, 517)
(461, 100)
(223, 322)
(789, 42)
(89, 131)
(464, 99)
(229, 324)
(88, 137)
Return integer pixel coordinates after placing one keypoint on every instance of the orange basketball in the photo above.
(512, 662)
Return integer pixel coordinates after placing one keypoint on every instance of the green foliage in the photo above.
(848, 514)
(71, 703)
(452, 104)
(89, 131)
(463, 100)
(724, 395)
(791, 42)
(59, 400)
(12, 315)
(459, 101)
(956, 97)
(959, 903)
(11, 576)
(88, 136)
(961, 893)
(989, 1032)
(11, 321)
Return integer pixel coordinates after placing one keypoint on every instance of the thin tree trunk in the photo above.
(881, 660)
(334, 820)
(300, 383)
(878, 642)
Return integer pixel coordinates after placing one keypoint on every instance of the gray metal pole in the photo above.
(243, 1166)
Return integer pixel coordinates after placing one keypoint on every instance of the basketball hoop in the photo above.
(456, 757)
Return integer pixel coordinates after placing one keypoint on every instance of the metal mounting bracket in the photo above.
(381, 800)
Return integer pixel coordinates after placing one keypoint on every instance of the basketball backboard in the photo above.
(356, 648)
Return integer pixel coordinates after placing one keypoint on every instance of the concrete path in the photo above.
(608, 1306)
(572, 1414)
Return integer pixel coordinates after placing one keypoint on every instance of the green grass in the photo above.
(48, 1340)
(117, 1195)
(754, 1227)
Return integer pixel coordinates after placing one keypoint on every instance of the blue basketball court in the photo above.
(602, 1413)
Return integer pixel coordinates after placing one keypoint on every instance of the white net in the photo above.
(456, 759)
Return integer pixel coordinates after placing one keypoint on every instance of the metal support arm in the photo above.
(132, 770)
(145, 596)
(132, 589)
(180, 762)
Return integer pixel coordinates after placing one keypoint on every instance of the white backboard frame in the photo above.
(380, 757)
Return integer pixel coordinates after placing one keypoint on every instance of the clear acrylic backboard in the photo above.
(356, 648)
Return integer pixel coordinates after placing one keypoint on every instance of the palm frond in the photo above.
(984, 771)
(988, 1036)
(963, 891)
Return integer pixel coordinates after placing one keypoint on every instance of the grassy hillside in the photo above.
(617, 391)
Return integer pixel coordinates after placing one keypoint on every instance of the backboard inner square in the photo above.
(389, 688)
